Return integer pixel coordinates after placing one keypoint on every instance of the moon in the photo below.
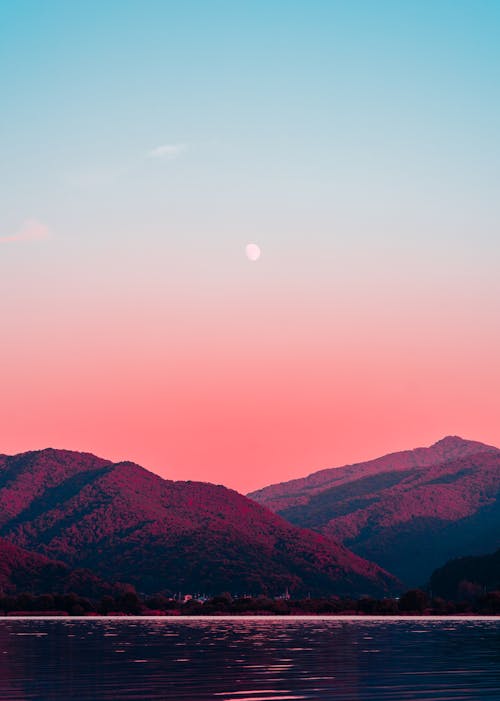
(252, 251)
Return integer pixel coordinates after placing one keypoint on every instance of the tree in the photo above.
(414, 600)
(129, 603)
(45, 602)
(107, 604)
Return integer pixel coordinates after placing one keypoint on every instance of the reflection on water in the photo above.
(267, 659)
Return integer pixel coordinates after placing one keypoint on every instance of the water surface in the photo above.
(248, 659)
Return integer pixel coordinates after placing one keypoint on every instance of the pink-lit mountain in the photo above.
(130, 525)
(410, 511)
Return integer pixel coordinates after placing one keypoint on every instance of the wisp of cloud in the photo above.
(167, 151)
(31, 230)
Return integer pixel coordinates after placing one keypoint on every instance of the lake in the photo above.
(250, 659)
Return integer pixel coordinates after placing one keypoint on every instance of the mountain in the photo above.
(409, 511)
(284, 495)
(128, 524)
(466, 575)
(23, 571)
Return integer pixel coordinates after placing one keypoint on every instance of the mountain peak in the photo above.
(450, 442)
(457, 445)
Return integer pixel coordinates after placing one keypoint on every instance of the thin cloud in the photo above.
(31, 230)
(167, 151)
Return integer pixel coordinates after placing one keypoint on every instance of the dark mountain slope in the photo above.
(482, 570)
(23, 571)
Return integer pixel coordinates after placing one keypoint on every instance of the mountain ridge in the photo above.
(277, 496)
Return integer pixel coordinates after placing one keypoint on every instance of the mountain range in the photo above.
(72, 521)
(409, 511)
(129, 525)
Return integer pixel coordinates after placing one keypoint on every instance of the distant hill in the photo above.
(130, 525)
(23, 571)
(409, 511)
(453, 580)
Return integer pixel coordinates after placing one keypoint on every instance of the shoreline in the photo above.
(319, 617)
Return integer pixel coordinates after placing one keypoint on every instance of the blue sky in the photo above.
(363, 99)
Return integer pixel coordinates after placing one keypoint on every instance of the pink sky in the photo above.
(247, 373)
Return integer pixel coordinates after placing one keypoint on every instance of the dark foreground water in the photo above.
(266, 659)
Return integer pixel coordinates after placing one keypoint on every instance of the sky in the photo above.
(144, 144)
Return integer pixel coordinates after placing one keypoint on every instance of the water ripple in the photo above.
(249, 659)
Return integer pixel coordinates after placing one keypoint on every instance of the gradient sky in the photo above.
(144, 144)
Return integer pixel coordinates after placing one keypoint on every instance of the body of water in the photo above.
(250, 659)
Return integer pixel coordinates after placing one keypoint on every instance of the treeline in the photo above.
(413, 602)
